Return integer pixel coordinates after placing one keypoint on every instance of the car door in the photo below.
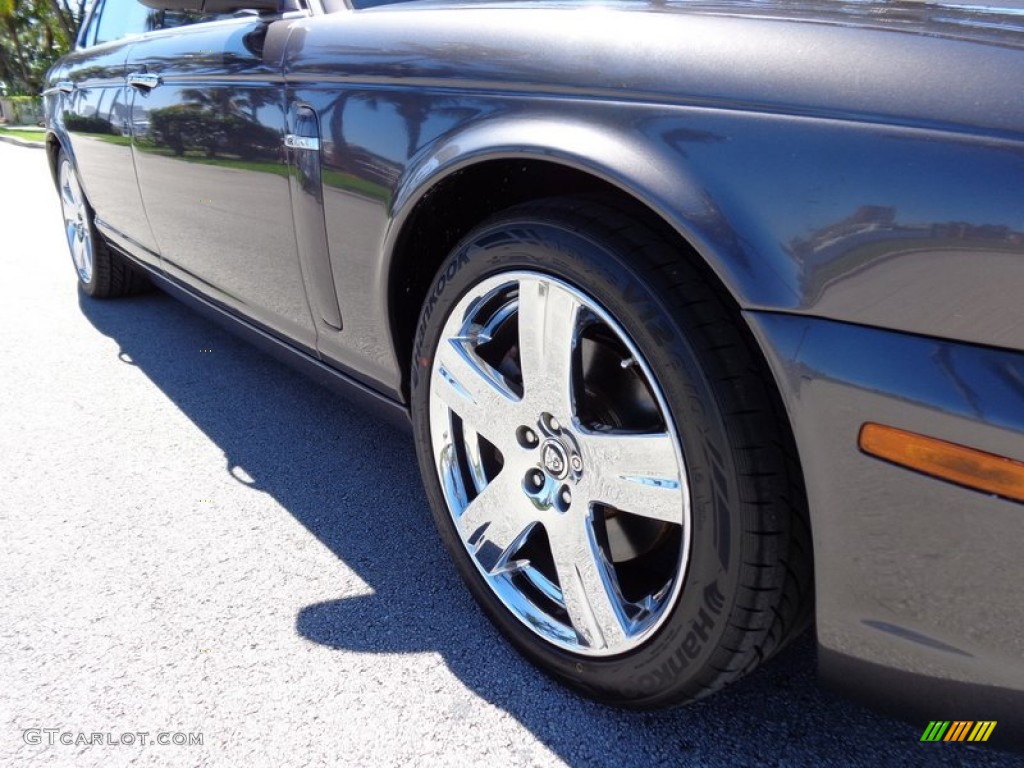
(94, 109)
(212, 166)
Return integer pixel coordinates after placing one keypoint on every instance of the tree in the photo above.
(33, 35)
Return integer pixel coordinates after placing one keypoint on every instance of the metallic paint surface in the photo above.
(915, 574)
(213, 169)
(806, 185)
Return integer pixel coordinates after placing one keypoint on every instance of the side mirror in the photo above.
(215, 6)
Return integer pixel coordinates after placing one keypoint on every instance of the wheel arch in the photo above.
(53, 149)
(478, 173)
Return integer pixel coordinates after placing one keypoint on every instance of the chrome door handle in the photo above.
(66, 86)
(143, 80)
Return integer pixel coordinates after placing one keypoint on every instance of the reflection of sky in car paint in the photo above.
(810, 158)
(928, 369)
(378, 126)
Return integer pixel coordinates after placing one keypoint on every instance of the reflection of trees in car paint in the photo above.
(86, 124)
(872, 234)
(215, 122)
(402, 124)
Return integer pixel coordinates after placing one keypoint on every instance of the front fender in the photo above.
(647, 168)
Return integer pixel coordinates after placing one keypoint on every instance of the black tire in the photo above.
(747, 586)
(105, 274)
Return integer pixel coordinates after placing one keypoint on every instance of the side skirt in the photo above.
(385, 408)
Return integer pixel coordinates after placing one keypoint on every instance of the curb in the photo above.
(21, 142)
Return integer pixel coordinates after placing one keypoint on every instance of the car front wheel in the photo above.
(605, 458)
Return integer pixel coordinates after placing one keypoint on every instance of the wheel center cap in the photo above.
(555, 459)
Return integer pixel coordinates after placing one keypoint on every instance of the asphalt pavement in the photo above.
(197, 543)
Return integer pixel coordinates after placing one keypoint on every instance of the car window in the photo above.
(116, 19)
(120, 18)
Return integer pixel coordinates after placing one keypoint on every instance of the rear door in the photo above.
(212, 167)
(95, 111)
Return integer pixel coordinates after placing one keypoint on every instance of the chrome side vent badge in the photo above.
(302, 142)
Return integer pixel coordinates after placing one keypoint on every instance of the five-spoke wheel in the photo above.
(76, 220)
(605, 456)
(559, 461)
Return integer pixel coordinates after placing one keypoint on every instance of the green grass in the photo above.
(330, 178)
(354, 184)
(125, 141)
(26, 135)
(219, 161)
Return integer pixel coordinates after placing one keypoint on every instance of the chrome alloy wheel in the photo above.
(560, 463)
(76, 221)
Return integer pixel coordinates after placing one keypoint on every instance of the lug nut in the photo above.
(576, 463)
(566, 497)
(550, 422)
(535, 479)
(527, 437)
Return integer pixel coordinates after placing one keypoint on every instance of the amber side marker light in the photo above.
(958, 464)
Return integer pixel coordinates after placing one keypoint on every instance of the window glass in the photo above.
(121, 18)
(173, 19)
(332, 6)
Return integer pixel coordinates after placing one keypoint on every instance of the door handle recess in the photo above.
(66, 86)
(143, 80)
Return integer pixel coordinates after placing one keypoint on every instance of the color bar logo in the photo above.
(958, 730)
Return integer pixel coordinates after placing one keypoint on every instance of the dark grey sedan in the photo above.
(707, 317)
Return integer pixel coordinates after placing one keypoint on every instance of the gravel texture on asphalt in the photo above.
(198, 540)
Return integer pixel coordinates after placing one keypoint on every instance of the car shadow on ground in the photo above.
(353, 484)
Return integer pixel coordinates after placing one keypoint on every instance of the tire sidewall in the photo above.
(674, 662)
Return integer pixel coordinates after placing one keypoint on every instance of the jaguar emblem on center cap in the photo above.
(555, 460)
